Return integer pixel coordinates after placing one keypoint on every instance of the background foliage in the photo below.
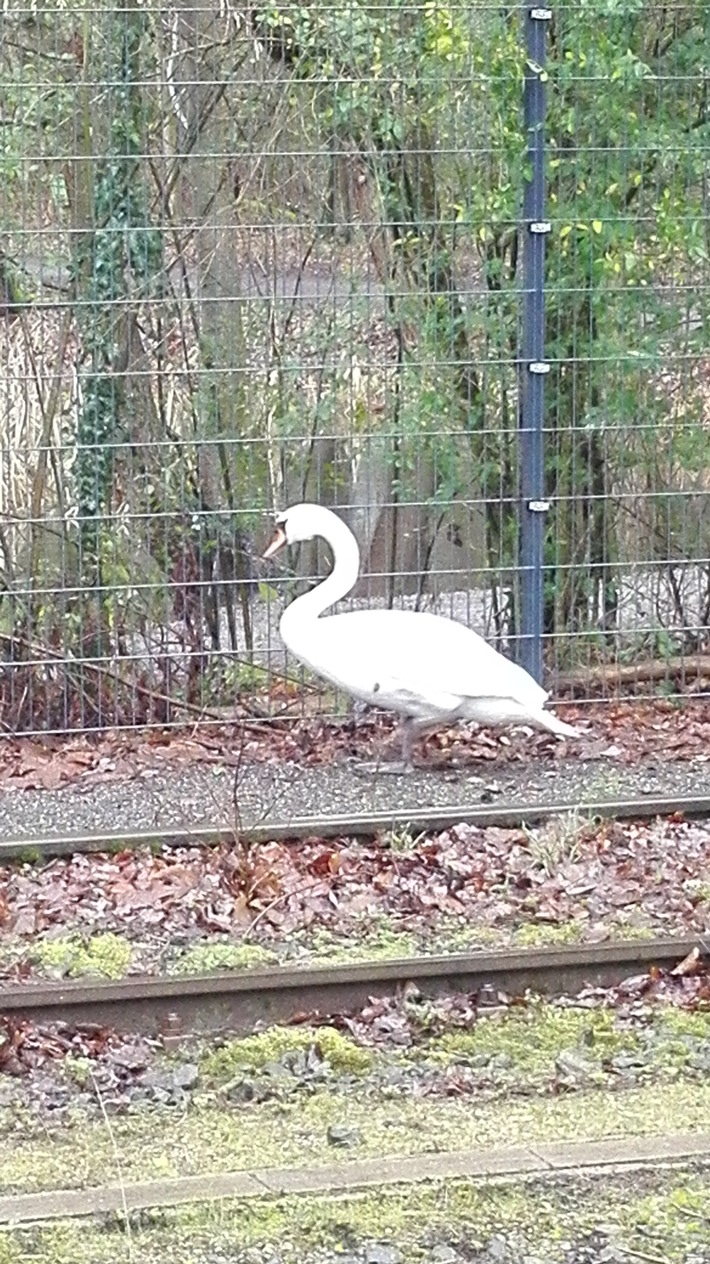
(251, 256)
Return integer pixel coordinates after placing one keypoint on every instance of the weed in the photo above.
(560, 839)
(401, 840)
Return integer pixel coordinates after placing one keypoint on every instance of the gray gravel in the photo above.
(204, 796)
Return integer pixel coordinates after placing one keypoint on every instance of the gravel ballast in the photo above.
(204, 796)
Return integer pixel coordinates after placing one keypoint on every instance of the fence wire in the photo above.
(262, 255)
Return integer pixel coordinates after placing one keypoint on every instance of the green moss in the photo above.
(253, 1052)
(106, 955)
(677, 1037)
(78, 1069)
(542, 934)
(631, 933)
(29, 856)
(697, 889)
(208, 957)
(683, 1022)
(531, 1038)
(379, 940)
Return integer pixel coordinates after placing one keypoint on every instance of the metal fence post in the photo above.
(533, 505)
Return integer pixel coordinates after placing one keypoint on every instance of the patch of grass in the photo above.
(645, 1211)
(460, 935)
(677, 1038)
(677, 1218)
(251, 1053)
(604, 782)
(208, 957)
(106, 956)
(382, 939)
(80, 1151)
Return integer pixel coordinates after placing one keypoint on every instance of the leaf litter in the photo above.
(630, 731)
(586, 880)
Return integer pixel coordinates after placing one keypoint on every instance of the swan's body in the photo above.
(429, 669)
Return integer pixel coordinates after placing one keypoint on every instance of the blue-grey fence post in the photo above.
(533, 505)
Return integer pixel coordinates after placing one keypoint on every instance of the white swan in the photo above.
(429, 669)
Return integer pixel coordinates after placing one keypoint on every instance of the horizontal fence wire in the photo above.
(254, 256)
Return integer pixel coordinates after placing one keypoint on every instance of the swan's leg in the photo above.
(409, 729)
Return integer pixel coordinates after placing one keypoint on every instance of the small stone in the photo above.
(497, 1248)
(478, 1061)
(394, 1074)
(241, 1091)
(380, 1253)
(342, 1135)
(574, 1065)
(186, 1075)
(276, 1070)
(489, 792)
(157, 1078)
(500, 1062)
(445, 1255)
(627, 1060)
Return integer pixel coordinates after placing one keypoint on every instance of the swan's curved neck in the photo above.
(344, 575)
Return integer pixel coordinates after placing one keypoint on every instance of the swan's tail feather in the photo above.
(548, 720)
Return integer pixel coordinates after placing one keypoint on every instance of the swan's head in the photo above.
(294, 525)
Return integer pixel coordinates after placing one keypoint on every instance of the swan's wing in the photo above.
(401, 652)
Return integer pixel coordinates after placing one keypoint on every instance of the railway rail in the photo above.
(176, 1008)
(369, 824)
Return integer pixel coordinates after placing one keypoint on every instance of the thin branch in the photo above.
(691, 668)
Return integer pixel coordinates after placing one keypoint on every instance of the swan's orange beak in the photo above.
(276, 543)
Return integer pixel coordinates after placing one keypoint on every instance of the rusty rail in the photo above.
(366, 824)
(201, 1004)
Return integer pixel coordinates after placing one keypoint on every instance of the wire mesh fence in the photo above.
(263, 255)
